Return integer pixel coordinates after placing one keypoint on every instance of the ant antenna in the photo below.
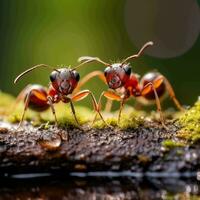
(87, 59)
(31, 69)
(148, 44)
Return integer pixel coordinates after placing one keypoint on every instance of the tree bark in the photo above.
(65, 150)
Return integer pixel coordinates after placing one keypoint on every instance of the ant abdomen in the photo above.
(156, 79)
(37, 95)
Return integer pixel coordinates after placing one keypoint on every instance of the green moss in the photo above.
(5, 101)
(169, 144)
(65, 116)
(128, 121)
(190, 122)
(132, 120)
(179, 195)
(100, 124)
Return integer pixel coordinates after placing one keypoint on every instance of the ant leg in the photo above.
(99, 107)
(86, 78)
(120, 110)
(52, 109)
(22, 94)
(172, 94)
(108, 105)
(110, 96)
(74, 113)
(147, 88)
(27, 100)
(89, 76)
(20, 97)
(38, 95)
(83, 94)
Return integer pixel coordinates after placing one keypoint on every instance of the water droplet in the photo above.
(51, 144)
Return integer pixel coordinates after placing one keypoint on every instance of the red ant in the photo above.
(118, 77)
(63, 82)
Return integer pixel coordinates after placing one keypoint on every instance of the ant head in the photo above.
(64, 80)
(117, 74)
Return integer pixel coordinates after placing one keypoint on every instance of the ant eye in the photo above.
(127, 69)
(77, 76)
(106, 71)
(53, 76)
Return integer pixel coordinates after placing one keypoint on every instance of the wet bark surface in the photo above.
(57, 150)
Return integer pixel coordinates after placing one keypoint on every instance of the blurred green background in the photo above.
(58, 32)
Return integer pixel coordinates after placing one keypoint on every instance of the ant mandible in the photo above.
(118, 77)
(63, 81)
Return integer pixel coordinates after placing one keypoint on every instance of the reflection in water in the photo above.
(69, 187)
